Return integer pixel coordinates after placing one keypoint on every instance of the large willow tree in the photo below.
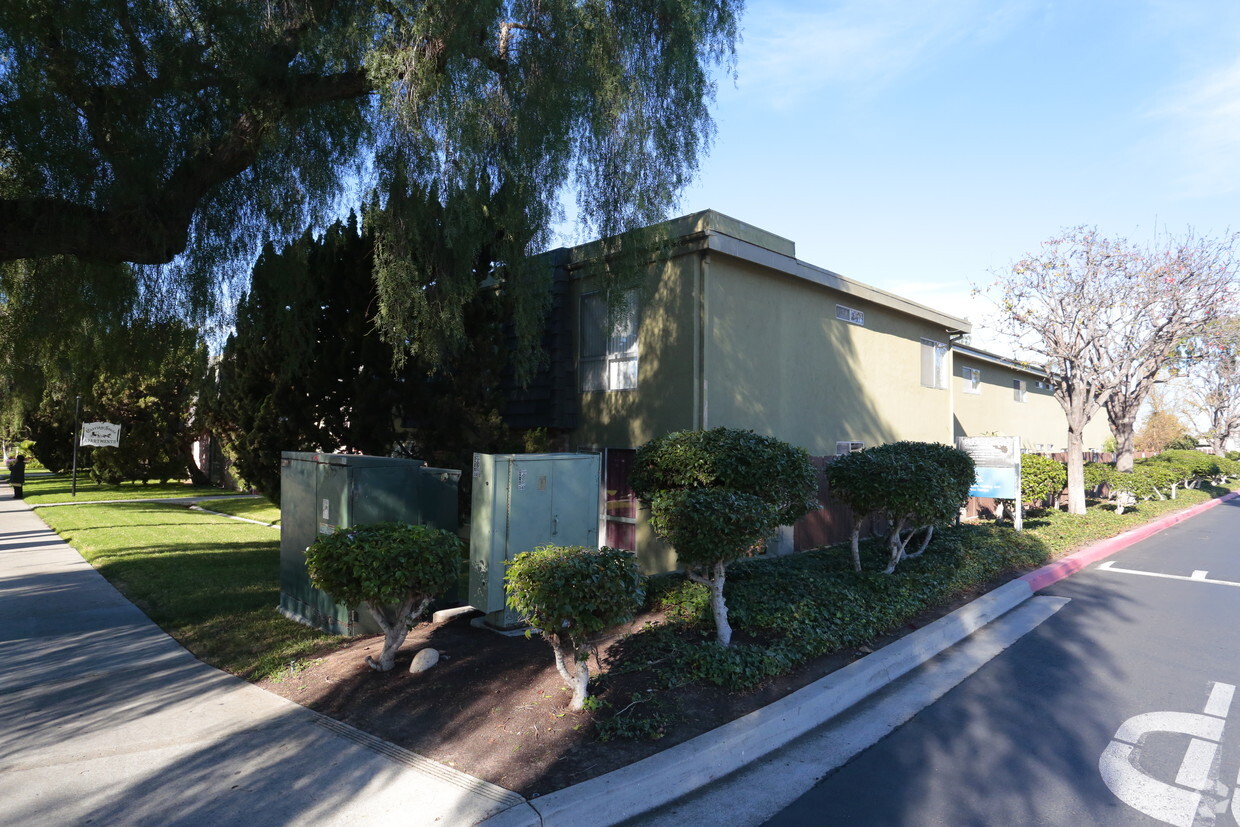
(187, 134)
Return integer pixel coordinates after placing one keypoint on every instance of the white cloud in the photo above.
(1204, 117)
(791, 52)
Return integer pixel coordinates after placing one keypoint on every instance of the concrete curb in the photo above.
(679, 771)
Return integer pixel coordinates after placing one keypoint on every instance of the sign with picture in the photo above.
(100, 434)
(998, 465)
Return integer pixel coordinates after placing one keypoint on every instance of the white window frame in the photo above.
(933, 364)
(972, 380)
(1019, 390)
(843, 447)
(613, 365)
(850, 315)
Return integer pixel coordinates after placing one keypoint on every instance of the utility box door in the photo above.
(521, 502)
(323, 492)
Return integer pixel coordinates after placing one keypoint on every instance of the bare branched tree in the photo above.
(1179, 292)
(1061, 305)
(1105, 317)
(1214, 382)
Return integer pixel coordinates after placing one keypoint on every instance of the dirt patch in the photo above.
(496, 708)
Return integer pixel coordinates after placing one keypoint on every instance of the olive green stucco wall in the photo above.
(777, 360)
(664, 400)
(1039, 420)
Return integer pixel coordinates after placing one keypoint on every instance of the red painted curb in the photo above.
(1054, 572)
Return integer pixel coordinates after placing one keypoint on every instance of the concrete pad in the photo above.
(59, 657)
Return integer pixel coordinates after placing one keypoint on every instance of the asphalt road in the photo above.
(1120, 709)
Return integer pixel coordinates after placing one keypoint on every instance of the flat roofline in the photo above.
(733, 237)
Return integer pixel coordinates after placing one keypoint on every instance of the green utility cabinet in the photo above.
(322, 492)
(520, 502)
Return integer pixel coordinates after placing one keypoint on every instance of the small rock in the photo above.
(424, 660)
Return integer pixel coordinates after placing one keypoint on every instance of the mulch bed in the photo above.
(496, 708)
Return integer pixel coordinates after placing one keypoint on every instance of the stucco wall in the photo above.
(1039, 420)
(780, 362)
(664, 399)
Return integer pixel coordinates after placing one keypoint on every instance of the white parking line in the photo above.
(1121, 765)
(1219, 701)
(1196, 577)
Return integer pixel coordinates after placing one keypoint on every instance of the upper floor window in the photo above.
(1018, 390)
(972, 380)
(608, 356)
(933, 364)
(842, 447)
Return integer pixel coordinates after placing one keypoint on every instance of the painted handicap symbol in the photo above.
(1196, 786)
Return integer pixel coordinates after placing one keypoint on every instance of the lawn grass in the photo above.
(58, 488)
(210, 582)
(251, 508)
(1064, 533)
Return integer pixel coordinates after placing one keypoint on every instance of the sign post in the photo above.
(100, 434)
(77, 415)
(997, 459)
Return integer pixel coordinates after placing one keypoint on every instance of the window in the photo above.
(842, 448)
(847, 314)
(933, 364)
(972, 380)
(1018, 390)
(1043, 385)
(608, 357)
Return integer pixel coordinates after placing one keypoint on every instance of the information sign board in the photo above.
(101, 434)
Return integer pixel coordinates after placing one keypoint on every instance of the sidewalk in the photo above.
(104, 719)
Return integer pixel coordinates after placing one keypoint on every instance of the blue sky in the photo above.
(920, 145)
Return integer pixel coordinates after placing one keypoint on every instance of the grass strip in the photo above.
(210, 582)
(251, 508)
(58, 488)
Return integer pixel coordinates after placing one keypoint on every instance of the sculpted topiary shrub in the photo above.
(1097, 474)
(1042, 478)
(1194, 466)
(393, 569)
(715, 495)
(915, 485)
(1227, 468)
(571, 594)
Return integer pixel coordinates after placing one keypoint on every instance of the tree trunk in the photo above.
(1076, 473)
(395, 626)
(1123, 431)
(577, 675)
(718, 608)
(895, 545)
(856, 547)
(925, 542)
(196, 474)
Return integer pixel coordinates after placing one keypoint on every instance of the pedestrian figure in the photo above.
(17, 476)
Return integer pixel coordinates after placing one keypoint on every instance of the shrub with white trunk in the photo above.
(716, 495)
(571, 594)
(393, 569)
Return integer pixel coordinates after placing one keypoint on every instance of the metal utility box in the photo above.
(520, 502)
(323, 492)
